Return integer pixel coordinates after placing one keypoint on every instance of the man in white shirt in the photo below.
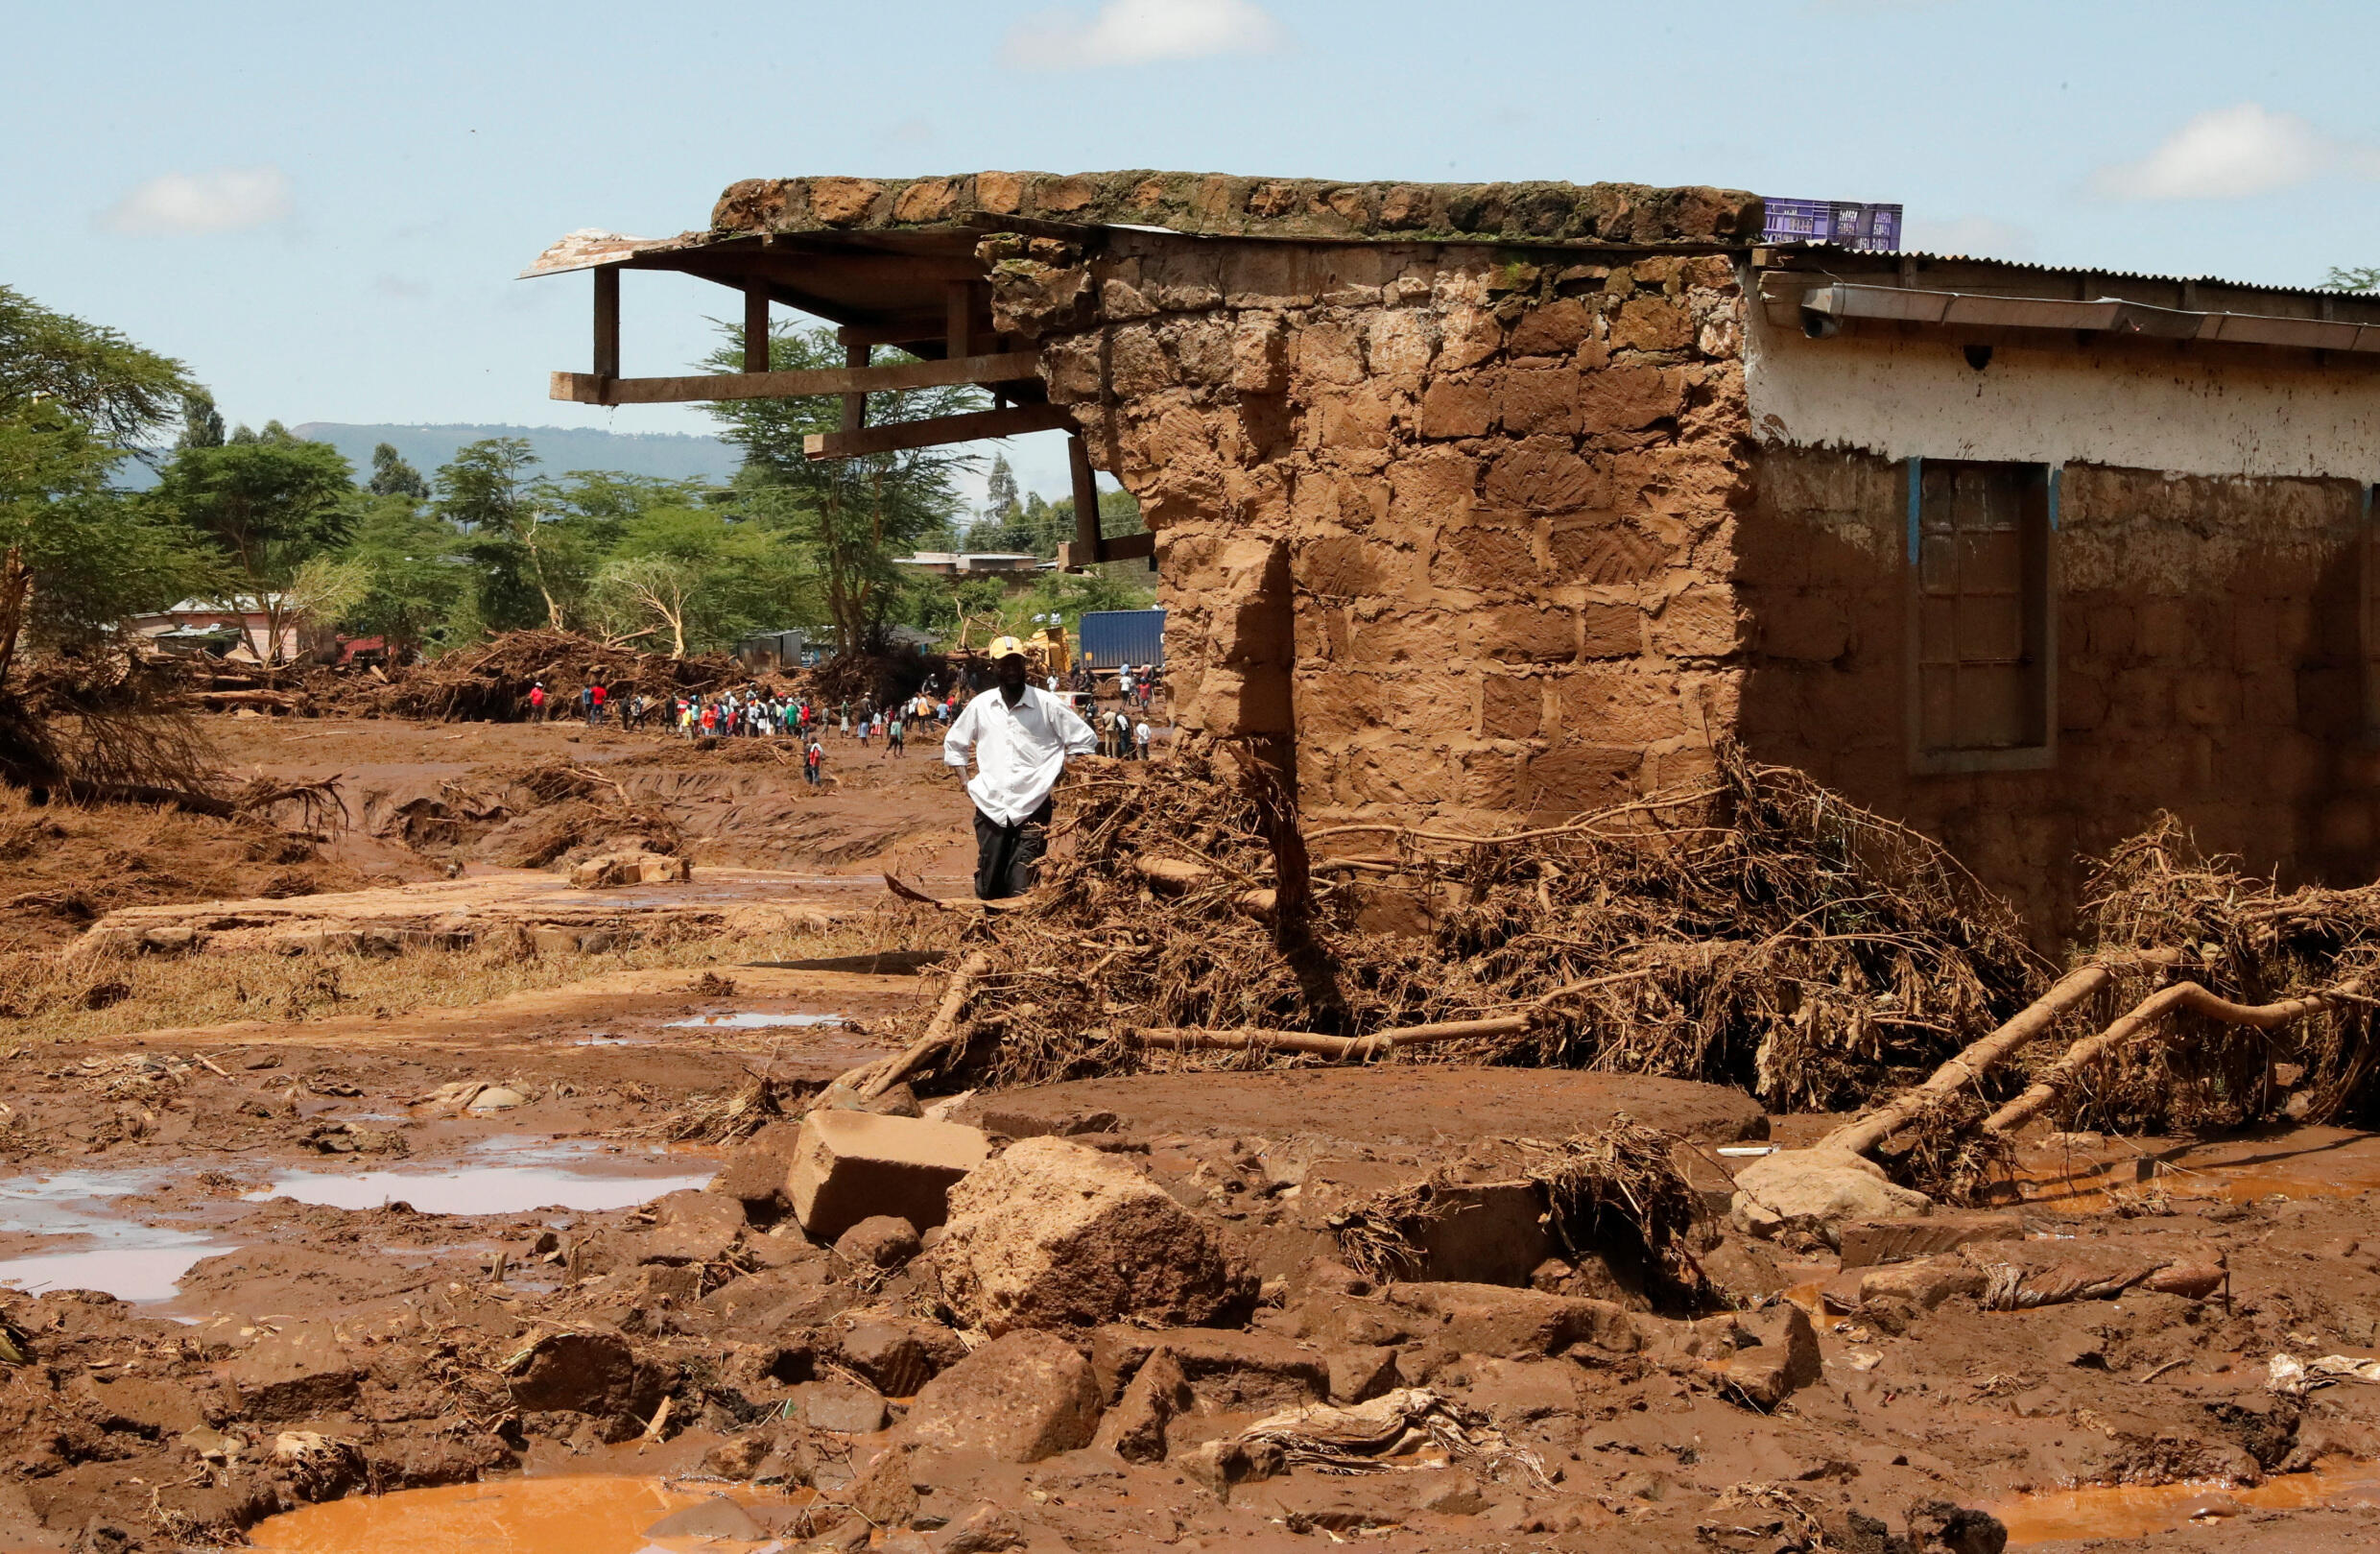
(1020, 737)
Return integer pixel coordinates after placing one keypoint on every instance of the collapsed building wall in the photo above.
(1454, 524)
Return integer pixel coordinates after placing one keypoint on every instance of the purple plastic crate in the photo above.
(1844, 223)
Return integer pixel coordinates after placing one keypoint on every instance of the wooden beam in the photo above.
(915, 331)
(1010, 366)
(941, 429)
(959, 318)
(755, 325)
(1087, 541)
(856, 358)
(607, 324)
(1139, 547)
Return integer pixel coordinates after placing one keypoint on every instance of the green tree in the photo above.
(700, 579)
(76, 555)
(415, 580)
(483, 494)
(392, 476)
(2355, 279)
(999, 490)
(853, 516)
(201, 423)
(270, 502)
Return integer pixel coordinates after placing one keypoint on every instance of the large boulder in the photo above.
(1019, 1399)
(1819, 1191)
(1052, 1235)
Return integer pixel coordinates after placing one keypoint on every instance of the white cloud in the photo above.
(1141, 32)
(1977, 236)
(2231, 152)
(226, 200)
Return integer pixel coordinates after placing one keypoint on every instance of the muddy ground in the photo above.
(392, 1240)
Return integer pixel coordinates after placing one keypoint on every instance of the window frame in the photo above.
(2040, 600)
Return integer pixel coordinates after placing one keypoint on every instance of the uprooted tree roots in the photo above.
(1757, 931)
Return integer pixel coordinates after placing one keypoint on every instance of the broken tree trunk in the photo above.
(2148, 1011)
(872, 1080)
(1978, 1058)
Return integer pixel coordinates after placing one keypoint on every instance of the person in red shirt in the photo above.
(537, 701)
(595, 703)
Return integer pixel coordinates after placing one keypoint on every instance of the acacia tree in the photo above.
(76, 556)
(271, 502)
(484, 492)
(854, 515)
(700, 576)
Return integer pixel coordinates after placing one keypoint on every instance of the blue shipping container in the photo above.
(1121, 636)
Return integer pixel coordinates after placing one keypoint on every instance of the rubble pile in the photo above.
(1757, 932)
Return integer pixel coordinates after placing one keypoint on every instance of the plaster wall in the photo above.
(2120, 406)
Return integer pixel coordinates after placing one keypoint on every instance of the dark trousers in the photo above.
(1008, 858)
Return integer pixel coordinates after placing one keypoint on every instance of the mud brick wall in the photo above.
(2208, 663)
(1457, 523)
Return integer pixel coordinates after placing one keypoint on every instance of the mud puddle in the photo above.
(98, 1248)
(2145, 1510)
(522, 1516)
(2307, 1163)
(582, 1179)
(755, 1020)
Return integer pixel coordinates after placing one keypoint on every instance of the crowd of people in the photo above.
(752, 711)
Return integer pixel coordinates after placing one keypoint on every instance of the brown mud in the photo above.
(266, 1269)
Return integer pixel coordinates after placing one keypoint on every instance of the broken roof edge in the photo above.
(1219, 204)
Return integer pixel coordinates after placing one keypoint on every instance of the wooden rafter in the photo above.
(937, 431)
(592, 389)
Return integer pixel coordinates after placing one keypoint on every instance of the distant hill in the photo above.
(559, 450)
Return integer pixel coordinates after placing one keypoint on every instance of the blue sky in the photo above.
(321, 207)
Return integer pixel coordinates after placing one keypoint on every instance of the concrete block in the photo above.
(848, 1165)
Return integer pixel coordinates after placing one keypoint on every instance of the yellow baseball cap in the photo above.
(1003, 646)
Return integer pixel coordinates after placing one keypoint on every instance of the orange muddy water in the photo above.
(2144, 1510)
(520, 1516)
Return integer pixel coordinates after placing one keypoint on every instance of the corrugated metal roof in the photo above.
(1871, 257)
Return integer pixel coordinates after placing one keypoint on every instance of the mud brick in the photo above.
(1868, 1243)
(851, 1165)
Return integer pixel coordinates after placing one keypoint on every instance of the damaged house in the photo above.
(1484, 502)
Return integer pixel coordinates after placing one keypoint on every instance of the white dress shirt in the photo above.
(1019, 751)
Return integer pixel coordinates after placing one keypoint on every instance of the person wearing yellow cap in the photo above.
(1021, 737)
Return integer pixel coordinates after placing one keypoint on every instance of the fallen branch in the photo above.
(872, 1080)
(1343, 1048)
(2148, 1011)
(2028, 1025)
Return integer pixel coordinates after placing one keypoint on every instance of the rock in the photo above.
(693, 1226)
(1939, 1527)
(1516, 1392)
(882, 1241)
(1924, 1285)
(1227, 1370)
(299, 1373)
(1510, 1324)
(1482, 1232)
(737, 1457)
(755, 1171)
(1742, 1271)
(608, 870)
(1054, 1234)
(1019, 1399)
(1870, 1242)
(883, 1493)
(841, 1407)
(851, 1165)
(1781, 1358)
(1359, 1373)
(1216, 1466)
(898, 1354)
(1817, 1190)
(593, 1372)
(715, 1517)
(1135, 1428)
(497, 1098)
(988, 1529)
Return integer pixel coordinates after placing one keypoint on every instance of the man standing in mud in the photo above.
(1021, 737)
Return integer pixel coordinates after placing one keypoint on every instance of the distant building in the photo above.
(237, 628)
